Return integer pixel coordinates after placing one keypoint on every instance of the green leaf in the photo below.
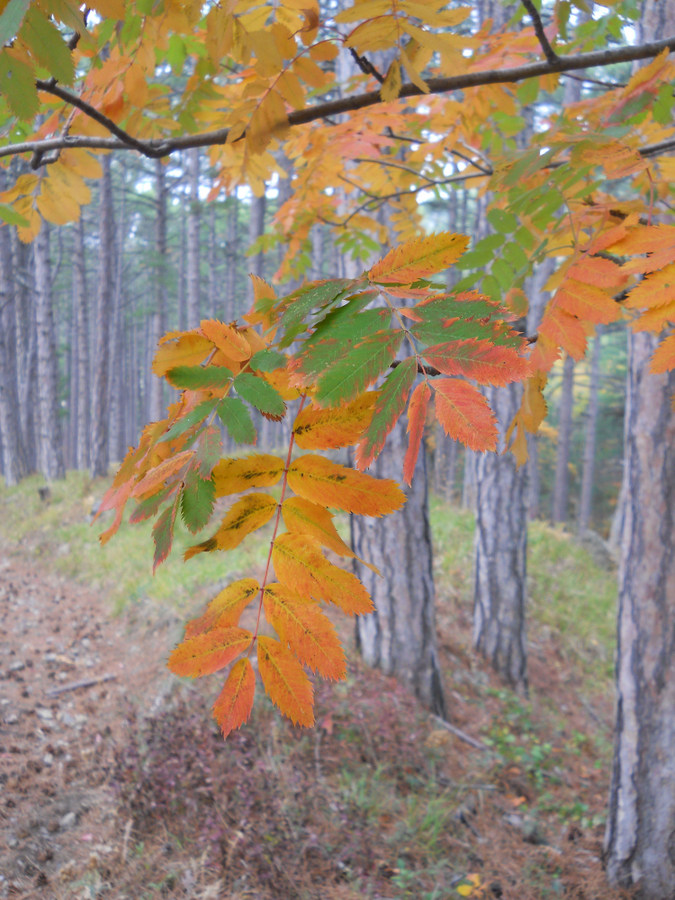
(296, 307)
(237, 419)
(194, 417)
(348, 322)
(17, 83)
(389, 405)
(9, 215)
(147, 508)
(267, 360)
(209, 451)
(354, 372)
(197, 501)
(162, 535)
(482, 253)
(47, 45)
(503, 273)
(11, 19)
(260, 394)
(502, 221)
(196, 378)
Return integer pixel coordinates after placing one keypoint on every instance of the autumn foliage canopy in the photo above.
(260, 85)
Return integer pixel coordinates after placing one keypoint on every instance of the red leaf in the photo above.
(464, 414)
(208, 652)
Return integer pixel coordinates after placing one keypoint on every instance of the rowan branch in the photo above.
(549, 52)
(159, 148)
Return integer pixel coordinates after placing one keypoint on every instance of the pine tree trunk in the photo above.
(83, 406)
(13, 458)
(562, 462)
(588, 465)
(500, 552)
(193, 241)
(49, 449)
(26, 345)
(158, 315)
(400, 636)
(640, 834)
(100, 411)
(231, 299)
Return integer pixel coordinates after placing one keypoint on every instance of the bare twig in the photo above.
(365, 65)
(549, 52)
(462, 735)
(75, 685)
(159, 148)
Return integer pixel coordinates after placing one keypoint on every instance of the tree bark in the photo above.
(562, 462)
(400, 636)
(26, 345)
(640, 834)
(588, 465)
(13, 458)
(100, 412)
(500, 552)
(158, 316)
(193, 240)
(49, 449)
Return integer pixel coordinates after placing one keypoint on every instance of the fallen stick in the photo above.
(74, 685)
(462, 735)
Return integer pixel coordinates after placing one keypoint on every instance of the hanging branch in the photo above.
(159, 148)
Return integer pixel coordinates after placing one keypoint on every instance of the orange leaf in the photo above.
(663, 359)
(208, 652)
(232, 476)
(234, 703)
(464, 414)
(598, 271)
(180, 349)
(417, 412)
(338, 426)
(479, 360)
(225, 608)
(155, 478)
(419, 258)
(243, 517)
(563, 330)
(300, 564)
(301, 624)
(587, 302)
(227, 339)
(322, 481)
(285, 681)
(656, 289)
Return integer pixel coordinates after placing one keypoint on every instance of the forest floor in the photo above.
(122, 787)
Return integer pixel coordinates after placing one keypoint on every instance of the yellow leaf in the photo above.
(208, 652)
(285, 681)
(338, 426)
(320, 480)
(419, 259)
(302, 625)
(391, 86)
(227, 339)
(232, 476)
(243, 517)
(180, 349)
(225, 608)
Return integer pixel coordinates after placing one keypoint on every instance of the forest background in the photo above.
(76, 378)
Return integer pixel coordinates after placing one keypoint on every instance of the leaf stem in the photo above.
(284, 485)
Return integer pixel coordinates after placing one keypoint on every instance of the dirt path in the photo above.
(59, 833)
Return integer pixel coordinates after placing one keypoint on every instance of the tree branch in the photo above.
(165, 147)
(549, 52)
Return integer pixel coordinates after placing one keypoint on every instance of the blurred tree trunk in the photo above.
(231, 299)
(104, 309)
(400, 636)
(588, 465)
(256, 228)
(26, 345)
(83, 405)
(193, 241)
(562, 461)
(500, 551)
(49, 446)
(118, 390)
(640, 833)
(13, 458)
(158, 314)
